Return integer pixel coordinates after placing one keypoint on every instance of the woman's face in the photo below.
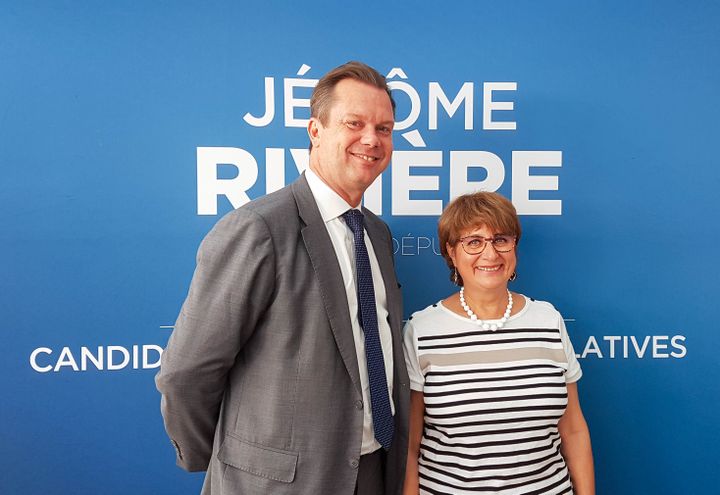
(489, 270)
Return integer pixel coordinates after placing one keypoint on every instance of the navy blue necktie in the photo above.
(379, 398)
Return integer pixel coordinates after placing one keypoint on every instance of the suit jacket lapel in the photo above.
(324, 262)
(381, 241)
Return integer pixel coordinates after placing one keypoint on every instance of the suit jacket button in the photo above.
(354, 463)
(358, 404)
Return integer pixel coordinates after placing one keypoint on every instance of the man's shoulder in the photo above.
(261, 216)
(274, 205)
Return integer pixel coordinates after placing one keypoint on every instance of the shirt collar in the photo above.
(330, 203)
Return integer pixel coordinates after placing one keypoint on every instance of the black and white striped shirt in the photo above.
(493, 400)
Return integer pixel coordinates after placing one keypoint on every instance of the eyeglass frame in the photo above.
(486, 241)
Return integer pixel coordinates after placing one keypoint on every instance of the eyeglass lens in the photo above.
(476, 244)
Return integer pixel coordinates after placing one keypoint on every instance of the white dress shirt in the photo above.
(331, 207)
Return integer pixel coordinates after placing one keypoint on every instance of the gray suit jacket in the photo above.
(260, 379)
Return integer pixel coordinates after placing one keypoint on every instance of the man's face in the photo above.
(355, 145)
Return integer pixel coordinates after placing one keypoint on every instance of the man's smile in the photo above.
(367, 158)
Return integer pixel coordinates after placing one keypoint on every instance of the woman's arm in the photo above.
(417, 414)
(576, 447)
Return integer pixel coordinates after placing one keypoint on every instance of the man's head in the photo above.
(322, 96)
(350, 128)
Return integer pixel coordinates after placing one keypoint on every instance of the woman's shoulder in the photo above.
(536, 308)
(429, 313)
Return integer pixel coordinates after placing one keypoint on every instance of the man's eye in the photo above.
(385, 131)
(353, 124)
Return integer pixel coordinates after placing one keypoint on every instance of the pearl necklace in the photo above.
(485, 325)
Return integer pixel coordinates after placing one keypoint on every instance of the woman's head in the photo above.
(472, 213)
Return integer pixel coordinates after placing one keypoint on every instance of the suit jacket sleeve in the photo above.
(231, 288)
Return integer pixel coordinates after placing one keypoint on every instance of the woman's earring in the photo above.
(455, 276)
(513, 276)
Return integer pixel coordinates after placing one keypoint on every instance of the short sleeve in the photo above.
(574, 372)
(417, 379)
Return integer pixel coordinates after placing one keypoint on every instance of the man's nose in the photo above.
(370, 137)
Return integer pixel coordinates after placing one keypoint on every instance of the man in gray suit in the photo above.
(285, 372)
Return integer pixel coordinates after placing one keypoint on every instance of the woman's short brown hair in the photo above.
(471, 211)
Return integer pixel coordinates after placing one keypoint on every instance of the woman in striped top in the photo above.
(494, 403)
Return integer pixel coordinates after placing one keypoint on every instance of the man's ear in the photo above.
(314, 130)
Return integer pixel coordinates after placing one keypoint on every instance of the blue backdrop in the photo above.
(127, 129)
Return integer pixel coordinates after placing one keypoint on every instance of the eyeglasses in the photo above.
(475, 244)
